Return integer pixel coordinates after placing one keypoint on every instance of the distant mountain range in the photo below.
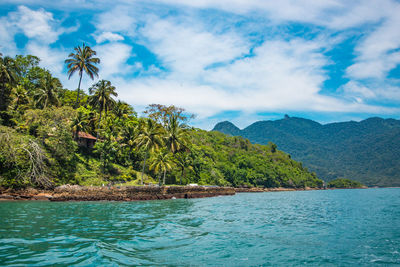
(367, 151)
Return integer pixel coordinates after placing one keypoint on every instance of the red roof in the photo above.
(86, 136)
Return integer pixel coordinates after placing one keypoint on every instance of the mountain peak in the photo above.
(366, 151)
(227, 127)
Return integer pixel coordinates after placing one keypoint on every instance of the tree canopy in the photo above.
(43, 131)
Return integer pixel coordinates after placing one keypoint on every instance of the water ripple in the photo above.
(329, 228)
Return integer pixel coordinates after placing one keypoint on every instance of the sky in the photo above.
(236, 60)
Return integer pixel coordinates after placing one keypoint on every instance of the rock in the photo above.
(43, 197)
(7, 197)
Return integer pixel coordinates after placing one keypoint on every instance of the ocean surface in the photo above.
(319, 228)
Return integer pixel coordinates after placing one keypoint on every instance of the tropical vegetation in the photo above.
(43, 127)
(344, 183)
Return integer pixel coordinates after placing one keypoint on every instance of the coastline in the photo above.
(134, 193)
(105, 193)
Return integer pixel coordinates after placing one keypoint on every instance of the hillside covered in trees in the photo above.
(366, 151)
(50, 135)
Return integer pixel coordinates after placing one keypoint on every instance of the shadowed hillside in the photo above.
(367, 151)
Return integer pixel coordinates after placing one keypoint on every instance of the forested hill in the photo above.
(367, 151)
(50, 135)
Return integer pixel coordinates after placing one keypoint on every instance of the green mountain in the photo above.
(367, 151)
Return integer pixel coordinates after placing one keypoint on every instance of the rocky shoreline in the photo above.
(126, 193)
(133, 193)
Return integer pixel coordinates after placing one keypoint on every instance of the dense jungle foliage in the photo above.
(344, 183)
(42, 125)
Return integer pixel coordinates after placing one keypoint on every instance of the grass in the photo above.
(89, 173)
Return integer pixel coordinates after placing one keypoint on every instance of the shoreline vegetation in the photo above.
(51, 137)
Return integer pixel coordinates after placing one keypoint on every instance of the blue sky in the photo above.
(237, 60)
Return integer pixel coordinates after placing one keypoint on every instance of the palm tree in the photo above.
(20, 97)
(101, 96)
(80, 123)
(176, 135)
(150, 139)
(161, 162)
(183, 161)
(123, 110)
(129, 134)
(46, 94)
(8, 76)
(82, 60)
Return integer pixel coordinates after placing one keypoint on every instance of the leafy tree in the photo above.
(22, 161)
(80, 122)
(46, 93)
(344, 183)
(129, 135)
(82, 60)
(176, 137)
(161, 113)
(25, 64)
(106, 148)
(149, 139)
(101, 96)
(123, 110)
(8, 77)
(20, 97)
(161, 162)
(184, 162)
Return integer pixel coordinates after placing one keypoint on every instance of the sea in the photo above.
(349, 227)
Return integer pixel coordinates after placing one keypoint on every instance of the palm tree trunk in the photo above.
(144, 164)
(79, 90)
(159, 179)
(184, 174)
(180, 182)
(97, 132)
(165, 170)
(3, 104)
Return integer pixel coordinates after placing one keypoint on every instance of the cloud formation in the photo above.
(216, 56)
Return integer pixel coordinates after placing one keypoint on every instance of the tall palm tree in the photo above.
(8, 76)
(183, 161)
(82, 60)
(176, 135)
(46, 94)
(150, 139)
(101, 96)
(161, 162)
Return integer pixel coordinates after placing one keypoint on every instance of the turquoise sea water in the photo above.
(335, 227)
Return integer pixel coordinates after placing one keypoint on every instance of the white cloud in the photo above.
(118, 19)
(357, 90)
(113, 58)
(378, 52)
(35, 24)
(108, 36)
(209, 65)
(187, 48)
(375, 91)
(7, 44)
(279, 75)
(52, 59)
(335, 14)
